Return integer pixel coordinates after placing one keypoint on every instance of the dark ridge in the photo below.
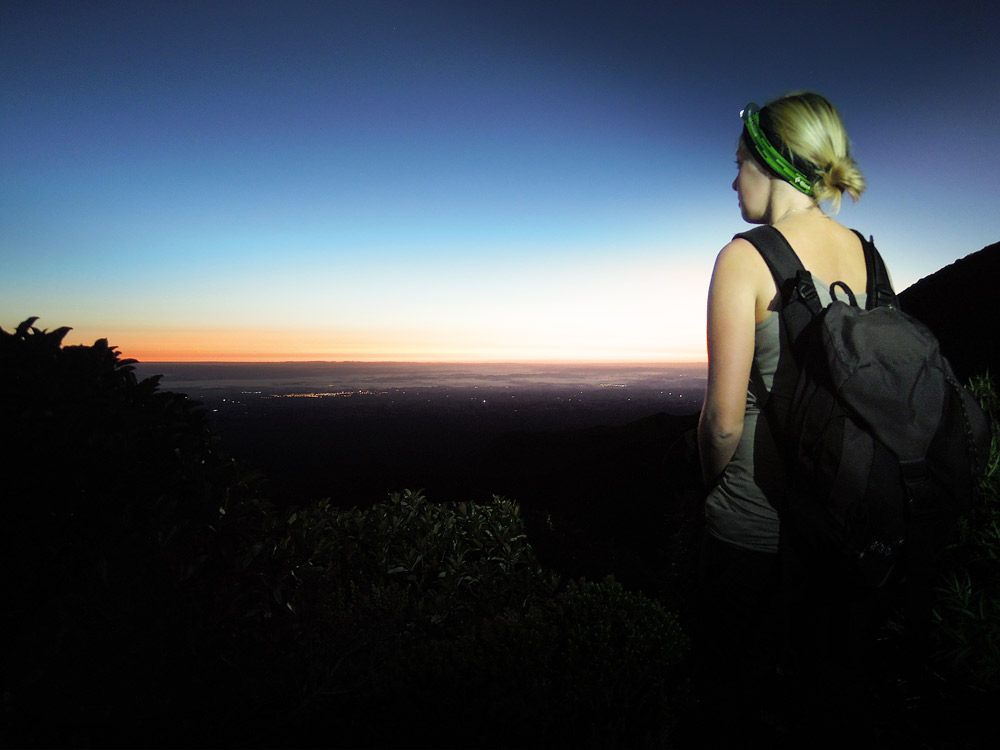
(958, 303)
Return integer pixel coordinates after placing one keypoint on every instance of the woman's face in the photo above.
(752, 186)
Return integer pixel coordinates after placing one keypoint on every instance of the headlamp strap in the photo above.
(770, 157)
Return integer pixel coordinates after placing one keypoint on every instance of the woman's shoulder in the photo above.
(741, 263)
(742, 273)
(738, 253)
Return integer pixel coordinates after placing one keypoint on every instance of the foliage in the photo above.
(967, 612)
(154, 598)
(595, 666)
(458, 563)
(349, 591)
(85, 434)
(110, 491)
(439, 616)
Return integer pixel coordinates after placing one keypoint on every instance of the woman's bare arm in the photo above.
(732, 299)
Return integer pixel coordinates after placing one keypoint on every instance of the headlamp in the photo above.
(769, 156)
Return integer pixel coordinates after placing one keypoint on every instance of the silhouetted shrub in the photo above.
(110, 491)
(152, 598)
(411, 622)
(347, 592)
(967, 615)
(950, 685)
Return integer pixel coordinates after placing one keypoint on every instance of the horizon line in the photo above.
(591, 362)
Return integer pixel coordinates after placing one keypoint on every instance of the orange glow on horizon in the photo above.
(150, 345)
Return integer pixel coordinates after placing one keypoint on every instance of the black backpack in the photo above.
(881, 446)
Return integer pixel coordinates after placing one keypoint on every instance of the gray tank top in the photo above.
(737, 510)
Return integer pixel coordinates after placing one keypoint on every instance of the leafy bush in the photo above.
(458, 563)
(951, 684)
(967, 615)
(153, 598)
(438, 616)
(421, 569)
(595, 666)
(110, 491)
(348, 592)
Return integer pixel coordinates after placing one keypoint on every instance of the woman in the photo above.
(793, 154)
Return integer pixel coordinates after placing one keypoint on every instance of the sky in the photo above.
(452, 181)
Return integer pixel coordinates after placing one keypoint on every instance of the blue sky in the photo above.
(451, 180)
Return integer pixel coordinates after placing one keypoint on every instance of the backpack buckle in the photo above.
(885, 297)
(805, 292)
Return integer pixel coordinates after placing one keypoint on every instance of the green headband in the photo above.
(768, 154)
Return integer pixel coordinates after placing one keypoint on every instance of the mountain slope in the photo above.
(958, 303)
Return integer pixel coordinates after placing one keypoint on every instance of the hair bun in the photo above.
(812, 129)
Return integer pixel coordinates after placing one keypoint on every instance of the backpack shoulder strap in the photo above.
(798, 299)
(880, 293)
(781, 260)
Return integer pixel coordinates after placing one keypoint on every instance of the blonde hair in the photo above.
(810, 128)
